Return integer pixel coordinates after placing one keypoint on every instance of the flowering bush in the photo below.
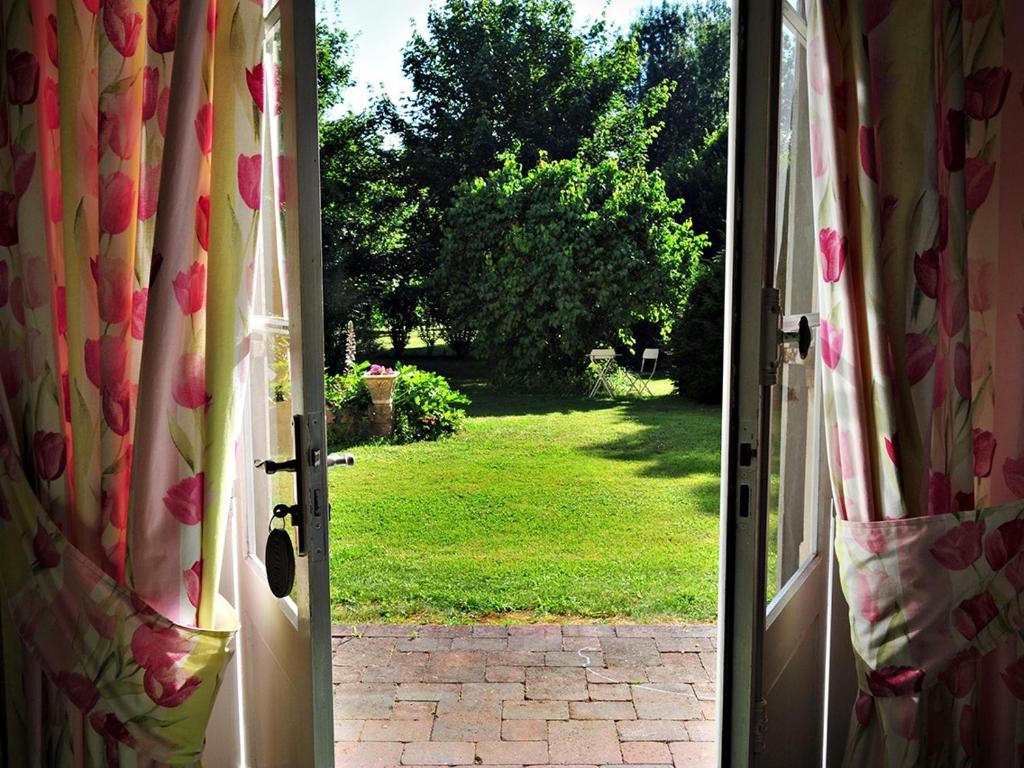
(426, 407)
(379, 370)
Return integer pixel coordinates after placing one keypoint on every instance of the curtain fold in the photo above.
(916, 113)
(130, 173)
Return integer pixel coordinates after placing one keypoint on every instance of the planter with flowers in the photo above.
(419, 405)
(380, 382)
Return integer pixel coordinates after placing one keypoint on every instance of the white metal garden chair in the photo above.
(604, 359)
(641, 380)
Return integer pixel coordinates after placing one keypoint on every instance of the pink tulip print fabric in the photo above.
(130, 189)
(917, 109)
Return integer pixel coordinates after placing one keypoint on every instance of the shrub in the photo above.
(426, 407)
(695, 346)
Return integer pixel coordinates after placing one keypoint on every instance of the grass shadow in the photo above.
(673, 440)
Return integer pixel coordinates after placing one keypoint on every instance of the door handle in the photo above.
(802, 336)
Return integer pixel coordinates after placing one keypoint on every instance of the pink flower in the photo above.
(831, 344)
(93, 6)
(833, 254)
(150, 91)
(149, 190)
(204, 128)
(109, 727)
(959, 675)
(114, 285)
(867, 152)
(874, 594)
(203, 222)
(985, 92)
(122, 25)
(864, 709)
(1004, 543)
(189, 385)
(22, 76)
(870, 537)
(42, 547)
(117, 202)
(117, 407)
(819, 162)
(167, 689)
(140, 300)
(162, 25)
(24, 167)
(953, 140)
(959, 547)
(8, 219)
(920, 356)
(254, 82)
(250, 179)
(984, 449)
(51, 38)
(1013, 676)
(974, 614)
(193, 579)
(4, 287)
(939, 493)
(61, 301)
(106, 360)
(36, 282)
(952, 302)
(1013, 474)
(120, 124)
(158, 648)
(50, 453)
(190, 288)
(978, 181)
(79, 689)
(926, 270)
(184, 500)
(895, 681)
(890, 449)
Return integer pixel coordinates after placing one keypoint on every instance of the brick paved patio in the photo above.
(530, 695)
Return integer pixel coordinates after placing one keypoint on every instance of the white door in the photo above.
(784, 705)
(276, 703)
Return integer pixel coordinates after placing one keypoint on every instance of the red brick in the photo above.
(649, 752)
(438, 753)
(504, 674)
(524, 730)
(361, 754)
(609, 692)
(583, 741)
(601, 710)
(512, 752)
(396, 730)
(693, 754)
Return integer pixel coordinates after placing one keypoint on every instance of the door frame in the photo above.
(298, 25)
(750, 343)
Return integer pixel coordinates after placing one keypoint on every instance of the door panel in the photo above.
(282, 693)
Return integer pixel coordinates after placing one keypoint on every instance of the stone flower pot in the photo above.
(381, 384)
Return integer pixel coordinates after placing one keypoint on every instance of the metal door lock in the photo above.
(281, 547)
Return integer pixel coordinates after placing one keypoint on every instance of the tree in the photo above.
(371, 274)
(496, 74)
(689, 45)
(544, 264)
(695, 346)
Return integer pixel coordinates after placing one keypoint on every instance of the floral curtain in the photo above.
(917, 113)
(130, 189)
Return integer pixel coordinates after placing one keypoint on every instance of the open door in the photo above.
(278, 696)
(777, 581)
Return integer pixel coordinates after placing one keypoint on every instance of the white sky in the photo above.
(381, 28)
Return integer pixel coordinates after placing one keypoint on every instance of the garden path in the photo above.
(524, 695)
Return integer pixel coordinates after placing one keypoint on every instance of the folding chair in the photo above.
(641, 380)
(604, 358)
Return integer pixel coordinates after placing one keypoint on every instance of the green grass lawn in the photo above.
(545, 507)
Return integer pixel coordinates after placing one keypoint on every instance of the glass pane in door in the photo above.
(794, 477)
(274, 357)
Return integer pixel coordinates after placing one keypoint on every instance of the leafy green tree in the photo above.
(544, 264)
(688, 44)
(371, 274)
(695, 346)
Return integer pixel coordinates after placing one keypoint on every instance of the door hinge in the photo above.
(760, 725)
(772, 310)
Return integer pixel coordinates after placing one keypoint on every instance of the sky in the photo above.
(381, 28)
